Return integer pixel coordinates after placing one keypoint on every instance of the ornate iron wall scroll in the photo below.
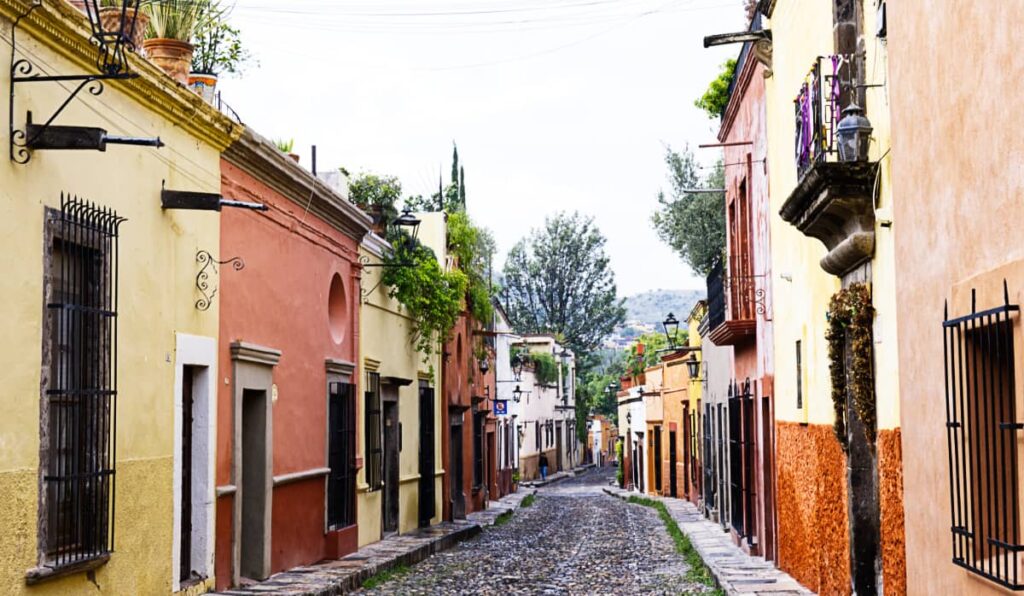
(209, 264)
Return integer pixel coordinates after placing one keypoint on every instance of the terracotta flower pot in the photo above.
(205, 85)
(172, 56)
(110, 18)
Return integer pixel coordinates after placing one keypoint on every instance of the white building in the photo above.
(508, 424)
(547, 406)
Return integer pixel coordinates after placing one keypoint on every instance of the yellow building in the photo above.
(103, 336)
(839, 476)
(408, 385)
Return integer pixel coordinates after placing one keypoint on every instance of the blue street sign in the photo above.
(501, 407)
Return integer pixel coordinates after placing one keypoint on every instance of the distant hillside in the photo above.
(652, 307)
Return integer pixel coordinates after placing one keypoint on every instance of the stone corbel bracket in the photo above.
(834, 202)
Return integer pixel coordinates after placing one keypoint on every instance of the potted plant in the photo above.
(172, 26)
(218, 50)
(110, 16)
(286, 147)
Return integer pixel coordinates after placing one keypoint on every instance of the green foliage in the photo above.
(692, 224)
(528, 501)
(432, 297)
(652, 342)
(545, 369)
(716, 98)
(218, 45)
(698, 571)
(372, 192)
(558, 280)
(473, 248)
(503, 519)
(850, 317)
(619, 474)
(176, 19)
(284, 146)
(515, 476)
(382, 577)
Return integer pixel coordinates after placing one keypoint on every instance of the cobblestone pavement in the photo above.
(575, 539)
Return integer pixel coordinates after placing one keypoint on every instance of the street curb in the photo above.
(735, 572)
(338, 578)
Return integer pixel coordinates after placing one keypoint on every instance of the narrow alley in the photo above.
(574, 539)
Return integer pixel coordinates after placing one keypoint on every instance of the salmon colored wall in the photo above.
(280, 301)
(958, 184)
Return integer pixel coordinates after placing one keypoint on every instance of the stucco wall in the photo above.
(156, 284)
(958, 183)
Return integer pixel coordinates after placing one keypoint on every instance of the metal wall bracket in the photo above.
(209, 264)
(45, 136)
(202, 201)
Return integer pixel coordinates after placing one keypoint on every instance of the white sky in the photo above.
(555, 104)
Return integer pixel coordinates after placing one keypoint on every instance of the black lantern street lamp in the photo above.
(113, 28)
(410, 224)
(484, 366)
(693, 367)
(517, 367)
(671, 324)
(629, 417)
(853, 134)
(517, 394)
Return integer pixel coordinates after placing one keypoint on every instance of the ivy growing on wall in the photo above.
(545, 369)
(850, 316)
(464, 242)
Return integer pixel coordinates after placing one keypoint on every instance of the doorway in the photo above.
(558, 446)
(187, 459)
(392, 446)
(426, 497)
(458, 498)
(254, 547)
(672, 489)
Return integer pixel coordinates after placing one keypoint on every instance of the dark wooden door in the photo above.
(185, 496)
(427, 463)
(391, 465)
(673, 491)
(341, 457)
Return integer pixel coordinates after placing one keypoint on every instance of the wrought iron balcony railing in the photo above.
(716, 296)
(819, 109)
(734, 301)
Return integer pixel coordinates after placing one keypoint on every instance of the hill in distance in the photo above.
(652, 307)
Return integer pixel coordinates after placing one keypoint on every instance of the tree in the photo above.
(716, 98)
(370, 191)
(558, 280)
(693, 224)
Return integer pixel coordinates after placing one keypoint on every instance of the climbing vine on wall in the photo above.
(850, 315)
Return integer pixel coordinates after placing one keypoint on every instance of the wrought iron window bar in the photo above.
(982, 435)
(111, 64)
(341, 482)
(78, 478)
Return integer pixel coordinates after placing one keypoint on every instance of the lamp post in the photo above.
(113, 28)
(853, 134)
(517, 367)
(517, 394)
(410, 224)
(671, 325)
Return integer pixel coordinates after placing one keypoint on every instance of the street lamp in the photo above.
(693, 366)
(671, 324)
(853, 134)
(113, 29)
(484, 366)
(409, 223)
(517, 367)
(517, 394)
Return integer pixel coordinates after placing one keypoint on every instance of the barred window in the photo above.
(80, 359)
(374, 442)
(982, 432)
(341, 483)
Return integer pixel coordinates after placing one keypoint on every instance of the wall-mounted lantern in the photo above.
(410, 224)
(113, 29)
(853, 134)
(693, 367)
(517, 367)
(517, 394)
(671, 325)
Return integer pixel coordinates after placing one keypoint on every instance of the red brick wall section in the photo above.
(890, 489)
(813, 534)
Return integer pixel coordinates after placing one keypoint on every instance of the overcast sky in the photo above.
(556, 105)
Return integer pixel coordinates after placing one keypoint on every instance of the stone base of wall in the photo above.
(890, 500)
(813, 532)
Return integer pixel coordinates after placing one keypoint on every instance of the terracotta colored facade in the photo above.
(289, 325)
(745, 295)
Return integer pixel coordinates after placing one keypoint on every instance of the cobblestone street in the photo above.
(573, 540)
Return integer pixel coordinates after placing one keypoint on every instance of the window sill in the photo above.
(38, 575)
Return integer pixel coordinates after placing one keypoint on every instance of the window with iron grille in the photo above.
(341, 483)
(80, 399)
(374, 437)
(982, 433)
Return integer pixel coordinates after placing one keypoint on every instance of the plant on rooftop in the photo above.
(716, 98)
(284, 146)
(218, 45)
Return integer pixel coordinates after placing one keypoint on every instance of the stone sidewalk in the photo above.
(553, 478)
(347, 574)
(735, 571)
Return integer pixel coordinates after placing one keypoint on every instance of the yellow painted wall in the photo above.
(802, 31)
(157, 273)
(385, 341)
